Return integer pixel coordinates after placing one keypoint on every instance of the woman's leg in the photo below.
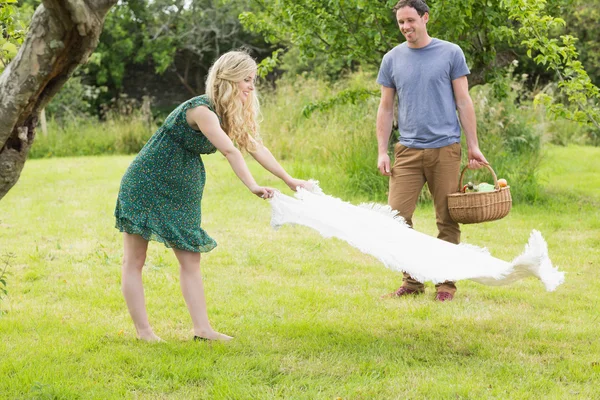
(193, 293)
(134, 256)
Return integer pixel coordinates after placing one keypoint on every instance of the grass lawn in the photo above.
(306, 312)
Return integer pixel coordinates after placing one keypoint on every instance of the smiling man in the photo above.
(429, 76)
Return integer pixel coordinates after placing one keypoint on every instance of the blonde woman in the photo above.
(161, 191)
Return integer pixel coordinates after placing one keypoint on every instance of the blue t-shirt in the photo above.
(422, 79)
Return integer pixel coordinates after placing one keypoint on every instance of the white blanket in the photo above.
(377, 230)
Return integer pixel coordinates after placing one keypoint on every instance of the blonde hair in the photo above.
(238, 119)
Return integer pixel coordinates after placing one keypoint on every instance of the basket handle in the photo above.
(460, 181)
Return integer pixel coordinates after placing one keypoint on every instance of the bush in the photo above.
(563, 132)
(337, 147)
(74, 100)
(510, 136)
(126, 127)
(4, 263)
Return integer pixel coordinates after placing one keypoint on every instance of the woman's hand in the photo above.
(263, 192)
(294, 184)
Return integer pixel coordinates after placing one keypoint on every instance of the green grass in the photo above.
(306, 312)
(574, 170)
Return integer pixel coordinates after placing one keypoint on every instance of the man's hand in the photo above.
(476, 158)
(383, 164)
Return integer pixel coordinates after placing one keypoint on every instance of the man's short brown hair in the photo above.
(418, 5)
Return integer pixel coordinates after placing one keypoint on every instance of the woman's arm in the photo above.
(265, 158)
(208, 123)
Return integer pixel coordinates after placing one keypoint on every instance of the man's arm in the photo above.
(385, 118)
(466, 115)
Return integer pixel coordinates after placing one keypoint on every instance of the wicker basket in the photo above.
(472, 208)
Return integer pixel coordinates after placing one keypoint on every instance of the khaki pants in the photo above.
(440, 168)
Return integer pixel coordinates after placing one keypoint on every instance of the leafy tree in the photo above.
(583, 22)
(582, 97)
(362, 31)
(180, 36)
(4, 263)
(119, 44)
(75, 100)
(188, 36)
(492, 34)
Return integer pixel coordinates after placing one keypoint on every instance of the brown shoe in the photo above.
(403, 291)
(444, 296)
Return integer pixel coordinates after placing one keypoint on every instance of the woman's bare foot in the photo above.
(148, 336)
(213, 335)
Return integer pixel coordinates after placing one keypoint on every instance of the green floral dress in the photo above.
(161, 191)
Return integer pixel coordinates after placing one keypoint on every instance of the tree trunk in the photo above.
(62, 35)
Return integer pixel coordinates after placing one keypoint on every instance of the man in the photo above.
(429, 76)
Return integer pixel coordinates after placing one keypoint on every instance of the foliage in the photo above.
(13, 27)
(119, 42)
(268, 64)
(337, 147)
(582, 97)
(583, 22)
(75, 100)
(133, 122)
(344, 97)
(509, 135)
(321, 66)
(345, 31)
(5, 259)
(563, 132)
(359, 32)
(201, 30)
(125, 129)
(182, 37)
